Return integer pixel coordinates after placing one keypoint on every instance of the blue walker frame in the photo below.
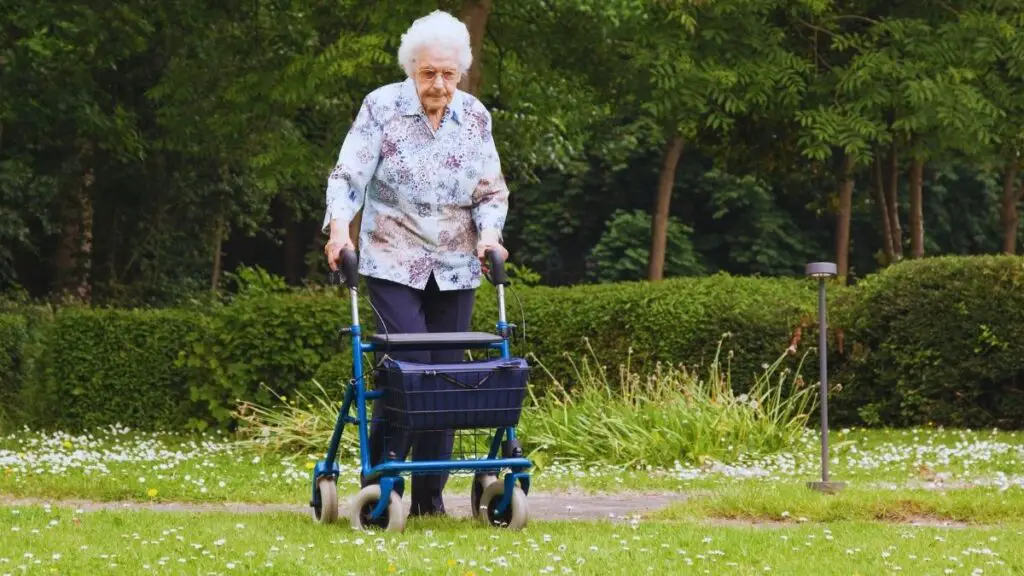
(390, 472)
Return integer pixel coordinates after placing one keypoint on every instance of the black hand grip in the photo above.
(497, 268)
(350, 268)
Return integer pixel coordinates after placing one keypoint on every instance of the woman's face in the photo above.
(437, 77)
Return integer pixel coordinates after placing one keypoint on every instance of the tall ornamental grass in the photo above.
(672, 414)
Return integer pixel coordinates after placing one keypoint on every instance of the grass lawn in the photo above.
(61, 540)
(972, 478)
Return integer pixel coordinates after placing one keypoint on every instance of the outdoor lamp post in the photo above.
(822, 271)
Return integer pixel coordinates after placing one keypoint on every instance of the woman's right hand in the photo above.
(334, 247)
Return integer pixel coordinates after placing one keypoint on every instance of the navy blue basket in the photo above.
(477, 394)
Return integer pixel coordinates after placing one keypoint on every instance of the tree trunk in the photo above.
(73, 258)
(1009, 216)
(843, 218)
(218, 243)
(84, 288)
(892, 202)
(883, 212)
(475, 14)
(916, 208)
(659, 223)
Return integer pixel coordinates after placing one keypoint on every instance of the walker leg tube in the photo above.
(387, 485)
(360, 399)
(339, 426)
(501, 303)
(496, 443)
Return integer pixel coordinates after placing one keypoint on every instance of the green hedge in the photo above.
(265, 345)
(169, 368)
(936, 340)
(13, 338)
(100, 366)
(274, 344)
(676, 320)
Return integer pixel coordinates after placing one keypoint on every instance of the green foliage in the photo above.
(747, 231)
(255, 281)
(23, 202)
(96, 367)
(13, 340)
(678, 320)
(261, 345)
(623, 251)
(196, 126)
(937, 340)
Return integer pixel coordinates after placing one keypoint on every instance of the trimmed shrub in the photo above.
(271, 345)
(268, 344)
(97, 366)
(936, 340)
(171, 368)
(13, 340)
(677, 320)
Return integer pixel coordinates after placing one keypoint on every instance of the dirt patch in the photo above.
(543, 506)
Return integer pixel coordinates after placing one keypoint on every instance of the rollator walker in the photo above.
(471, 395)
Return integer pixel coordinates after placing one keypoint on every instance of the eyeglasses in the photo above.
(430, 75)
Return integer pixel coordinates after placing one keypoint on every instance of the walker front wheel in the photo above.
(327, 511)
(514, 516)
(362, 505)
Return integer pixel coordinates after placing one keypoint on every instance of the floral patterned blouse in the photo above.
(428, 194)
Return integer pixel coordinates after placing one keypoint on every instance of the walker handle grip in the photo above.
(497, 268)
(350, 267)
(348, 272)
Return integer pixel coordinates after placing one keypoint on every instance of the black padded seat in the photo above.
(435, 340)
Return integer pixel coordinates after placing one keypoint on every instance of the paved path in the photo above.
(617, 507)
(543, 506)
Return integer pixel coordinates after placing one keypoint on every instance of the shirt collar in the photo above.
(410, 102)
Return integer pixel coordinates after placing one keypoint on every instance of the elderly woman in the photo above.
(420, 161)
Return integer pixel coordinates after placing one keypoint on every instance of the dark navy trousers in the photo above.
(408, 310)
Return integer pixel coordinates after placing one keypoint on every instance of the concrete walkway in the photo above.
(543, 506)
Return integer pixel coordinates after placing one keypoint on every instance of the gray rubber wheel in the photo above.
(362, 505)
(480, 482)
(514, 517)
(327, 512)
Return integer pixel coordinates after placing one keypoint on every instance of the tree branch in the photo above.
(858, 17)
(816, 27)
(501, 57)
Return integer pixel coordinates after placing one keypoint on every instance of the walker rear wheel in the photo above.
(515, 515)
(480, 482)
(362, 505)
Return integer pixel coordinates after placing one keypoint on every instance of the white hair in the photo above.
(438, 29)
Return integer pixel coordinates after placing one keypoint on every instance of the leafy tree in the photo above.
(699, 66)
(897, 80)
(623, 252)
(64, 124)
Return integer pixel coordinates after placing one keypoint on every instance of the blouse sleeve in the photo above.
(357, 161)
(490, 197)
